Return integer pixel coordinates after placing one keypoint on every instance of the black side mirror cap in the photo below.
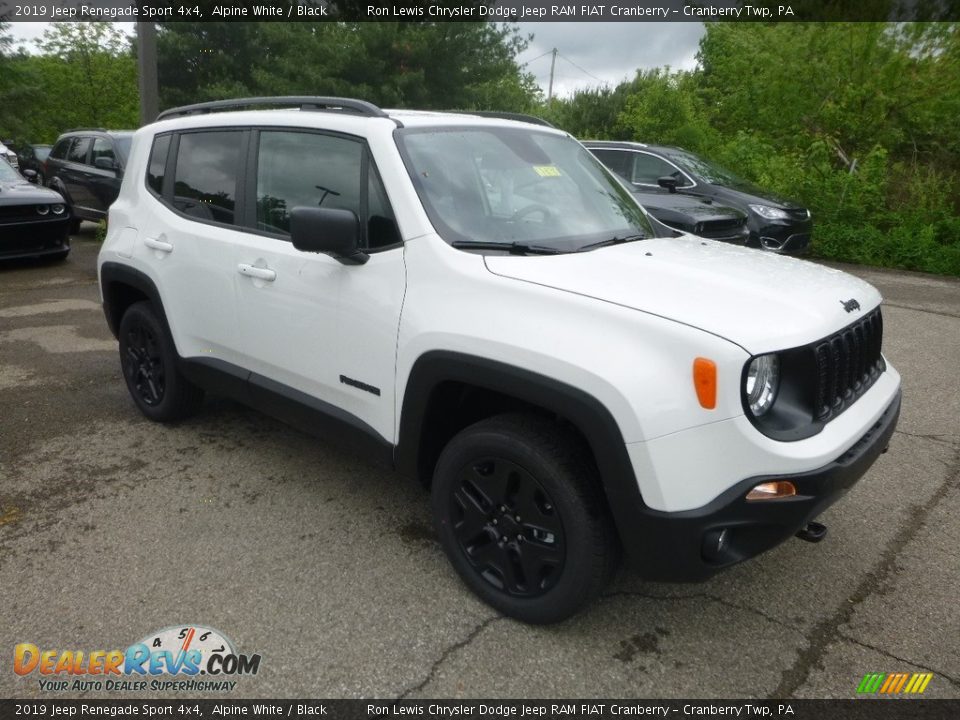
(335, 232)
(105, 163)
(669, 182)
(30, 174)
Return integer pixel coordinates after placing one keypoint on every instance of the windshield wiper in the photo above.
(615, 240)
(514, 248)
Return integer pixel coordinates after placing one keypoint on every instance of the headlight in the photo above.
(58, 209)
(770, 213)
(43, 209)
(762, 382)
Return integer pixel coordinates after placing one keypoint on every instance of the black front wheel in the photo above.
(148, 360)
(519, 510)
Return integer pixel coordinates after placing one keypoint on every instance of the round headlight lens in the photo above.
(58, 209)
(763, 379)
(43, 209)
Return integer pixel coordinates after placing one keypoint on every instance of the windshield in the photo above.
(708, 171)
(515, 185)
(7, 173)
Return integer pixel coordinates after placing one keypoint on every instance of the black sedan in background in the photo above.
(34, 220)
(774, 223)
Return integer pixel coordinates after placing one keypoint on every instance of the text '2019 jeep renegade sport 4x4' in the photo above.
(483, 304)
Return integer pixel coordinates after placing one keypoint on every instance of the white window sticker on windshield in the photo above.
(547, 171)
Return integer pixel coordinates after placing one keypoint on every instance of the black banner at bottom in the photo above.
(862, 709)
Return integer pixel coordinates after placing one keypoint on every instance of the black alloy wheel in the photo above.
(143, 364)
(508, 527)
(520, 512)
(149, 362)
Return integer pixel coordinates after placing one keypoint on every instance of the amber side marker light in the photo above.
(705, 382)
(772, 490)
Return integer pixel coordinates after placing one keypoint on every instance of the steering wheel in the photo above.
(530, 209)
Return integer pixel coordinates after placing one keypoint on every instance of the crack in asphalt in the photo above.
(941, 313)
(447, 652)
(711, 597)
(939, 673)
(941, 438)
(825, 633)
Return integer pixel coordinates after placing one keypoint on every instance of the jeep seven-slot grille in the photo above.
(848, 363)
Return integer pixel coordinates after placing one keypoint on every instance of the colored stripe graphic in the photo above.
(894, 683)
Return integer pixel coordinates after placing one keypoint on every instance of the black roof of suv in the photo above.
(86, 167)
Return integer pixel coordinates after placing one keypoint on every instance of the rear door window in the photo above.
(205, 184)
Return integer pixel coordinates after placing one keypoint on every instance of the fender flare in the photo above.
(112, 274)
(588, 414)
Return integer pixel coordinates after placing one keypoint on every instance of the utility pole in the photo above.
(553, 64)
(147, 71)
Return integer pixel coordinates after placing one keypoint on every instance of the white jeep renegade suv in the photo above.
(483, 305)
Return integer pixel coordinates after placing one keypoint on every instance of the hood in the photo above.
(760, 301)
(697, 209)
(23, 193)
(749, 194)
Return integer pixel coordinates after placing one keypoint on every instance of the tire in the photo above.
(149, 363)
(75, 226)
(543, 567)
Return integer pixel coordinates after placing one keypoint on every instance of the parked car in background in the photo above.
(33, 157)
(697, 216)
(774, 223)
(10, 156)
(34, 220)
(86, 167)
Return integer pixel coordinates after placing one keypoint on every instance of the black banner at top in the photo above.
(476, 10)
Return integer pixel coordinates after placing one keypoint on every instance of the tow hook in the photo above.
(813, 532)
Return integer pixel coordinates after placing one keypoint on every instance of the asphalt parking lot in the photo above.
(112, 527)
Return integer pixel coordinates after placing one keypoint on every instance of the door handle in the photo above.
(160, 245)
(257, 272)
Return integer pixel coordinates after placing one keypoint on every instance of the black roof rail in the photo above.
(304, 102)
(519, 117)
(83, 129)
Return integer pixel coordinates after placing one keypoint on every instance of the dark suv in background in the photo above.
(774, 223)
(86, 167)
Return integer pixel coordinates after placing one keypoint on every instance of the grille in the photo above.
(720, 228)
(18, 211)
(848, 363)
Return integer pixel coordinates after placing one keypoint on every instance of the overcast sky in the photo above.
(590, 54)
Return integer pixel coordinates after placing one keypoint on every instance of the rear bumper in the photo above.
(682, 546)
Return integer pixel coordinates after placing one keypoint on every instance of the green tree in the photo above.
(426, 65)
(86, 76)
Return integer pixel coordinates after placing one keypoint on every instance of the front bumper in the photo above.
(32, 238)
(682, 546)
(787, 237)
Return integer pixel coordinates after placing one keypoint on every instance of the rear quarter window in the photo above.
(157, 167)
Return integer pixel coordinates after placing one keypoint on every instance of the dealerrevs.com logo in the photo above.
(189, 658)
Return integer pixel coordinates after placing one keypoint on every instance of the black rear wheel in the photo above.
(518, 508)
(148, 359)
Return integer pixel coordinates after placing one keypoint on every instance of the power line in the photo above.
(581, 69)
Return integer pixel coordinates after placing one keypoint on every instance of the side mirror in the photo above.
(669, 182)
(105, 163)
(325, 230)
(30, 175)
